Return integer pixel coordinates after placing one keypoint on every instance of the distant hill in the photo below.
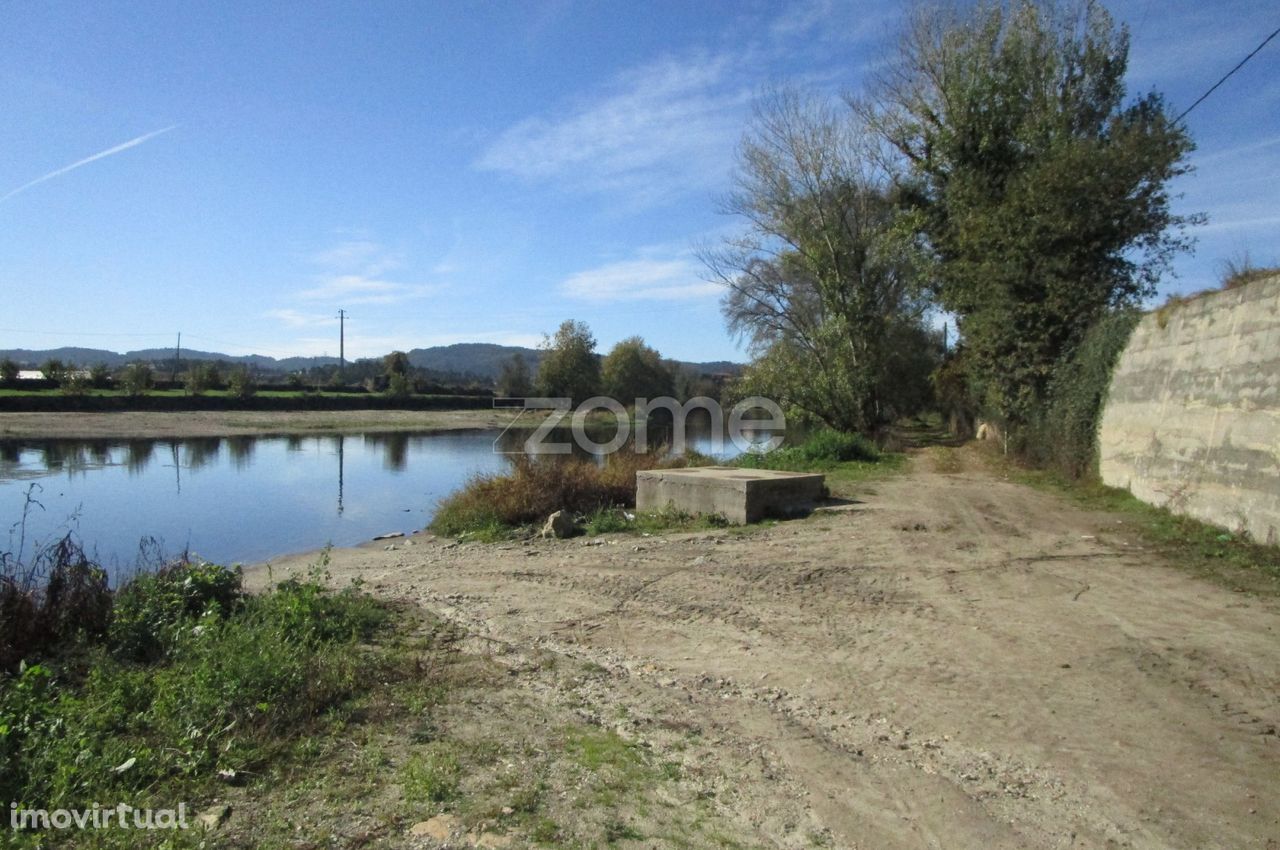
(88, 356)
(474, 360)
(482, 360)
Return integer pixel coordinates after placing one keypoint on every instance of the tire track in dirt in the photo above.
(957, 662)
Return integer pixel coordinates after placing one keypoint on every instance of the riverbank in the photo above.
(952, 654)
(235, 423)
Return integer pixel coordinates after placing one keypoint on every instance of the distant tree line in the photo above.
(570, 368)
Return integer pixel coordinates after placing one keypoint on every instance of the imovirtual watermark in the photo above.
(743, 426)
(119, 816)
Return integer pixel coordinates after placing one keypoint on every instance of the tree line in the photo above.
(993, 172)
(570, 368)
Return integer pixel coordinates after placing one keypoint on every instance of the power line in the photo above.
(1225, 77)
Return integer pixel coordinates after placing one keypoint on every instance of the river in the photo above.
(233, 499)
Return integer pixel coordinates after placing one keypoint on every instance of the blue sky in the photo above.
(452, 172)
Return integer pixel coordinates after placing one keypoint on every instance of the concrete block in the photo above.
(740, 495)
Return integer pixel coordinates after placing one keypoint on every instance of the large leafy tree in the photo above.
(570, 368)
(823, 274)
(633, 370)
(1041, 189)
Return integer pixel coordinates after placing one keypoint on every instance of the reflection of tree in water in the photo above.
(241, 450)
(10, 453)
(63, 454)
(293, 443)
(395, 449)
(137, 454)
(99, 451)
(201, 451)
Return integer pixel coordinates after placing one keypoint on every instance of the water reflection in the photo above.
(241, 450)
(339, 441)
(200, 451)
(245, 498)
(137, 455)
(395, 449)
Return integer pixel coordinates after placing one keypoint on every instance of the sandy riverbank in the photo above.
(152, 425)
(955, 660)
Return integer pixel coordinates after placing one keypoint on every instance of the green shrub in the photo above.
(828, 445)
(307, 612)
(399, 386)
(75, 384)
(151, 610)
(821, 450)
(241, 680)
(241, 384)
(136, 379)
(1064, 433)
(203, 377)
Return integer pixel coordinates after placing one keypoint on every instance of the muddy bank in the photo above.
(242, 423)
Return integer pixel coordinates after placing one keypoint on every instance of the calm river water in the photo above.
(232, 499)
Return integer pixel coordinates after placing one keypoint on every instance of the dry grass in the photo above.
(62, 595)
(1241, 271)
(490, 505)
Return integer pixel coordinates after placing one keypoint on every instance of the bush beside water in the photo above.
(186, 675)
(489, 506)
(492, 507)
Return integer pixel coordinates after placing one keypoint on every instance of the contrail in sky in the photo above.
(132, 143)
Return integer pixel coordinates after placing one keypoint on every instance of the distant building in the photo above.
(37, 375)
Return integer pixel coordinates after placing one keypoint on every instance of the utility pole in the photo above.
(342, 341)
(177, 358)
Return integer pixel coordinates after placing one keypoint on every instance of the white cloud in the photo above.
(353, 272)
(799, 18)
(298, 319)
(358, 289)
(666, 127)
(637, 280)
(362, 255)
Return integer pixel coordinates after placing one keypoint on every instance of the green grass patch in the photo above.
(848, 461)
(193, 681)
(821, 451)
(432, 775)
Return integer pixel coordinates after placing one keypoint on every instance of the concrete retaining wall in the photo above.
(1192, 420)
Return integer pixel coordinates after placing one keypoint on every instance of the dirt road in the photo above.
(955, 662)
